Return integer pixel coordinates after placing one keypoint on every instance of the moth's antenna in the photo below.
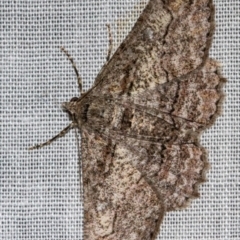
(79, 79)
(110, 40)
(61, 134)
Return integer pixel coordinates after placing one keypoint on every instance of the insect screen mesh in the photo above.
(40, 190)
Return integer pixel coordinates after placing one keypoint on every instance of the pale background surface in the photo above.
(39, 190)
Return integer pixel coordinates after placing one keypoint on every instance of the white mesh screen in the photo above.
(40, 190)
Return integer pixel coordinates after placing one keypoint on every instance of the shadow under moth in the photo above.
(140, 122)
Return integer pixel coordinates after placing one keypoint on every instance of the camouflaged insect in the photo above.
(140, 122)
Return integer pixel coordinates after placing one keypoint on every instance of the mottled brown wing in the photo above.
(192, 103)
(162, 91)
(141, 121)
(118, 202)
(161, 129)
(170, 39)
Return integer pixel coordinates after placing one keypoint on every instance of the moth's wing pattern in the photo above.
(164, 126)
(170, 39)
(165, 90)
(153, 98)
(118, 202)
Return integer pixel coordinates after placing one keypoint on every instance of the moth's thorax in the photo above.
(77, 110)
(91, 112)
(100, 112)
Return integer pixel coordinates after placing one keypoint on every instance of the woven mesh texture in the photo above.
(40, 190)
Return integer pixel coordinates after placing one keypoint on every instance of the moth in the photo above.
(140, 122)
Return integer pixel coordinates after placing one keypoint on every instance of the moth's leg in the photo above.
(110, 40)
(61, 134)
(79, 79)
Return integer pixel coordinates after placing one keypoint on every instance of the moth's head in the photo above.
(70, 107)
(76, 109)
